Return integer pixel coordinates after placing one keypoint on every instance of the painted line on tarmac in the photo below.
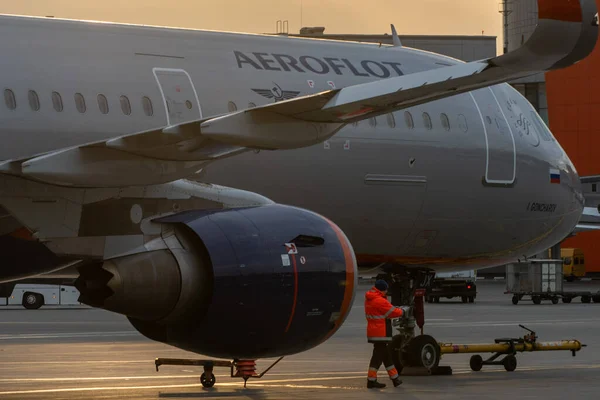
(33, 336)
(280, 383)
(113, 388)
(157, 376)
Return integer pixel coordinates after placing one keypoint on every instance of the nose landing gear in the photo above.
(412, 354)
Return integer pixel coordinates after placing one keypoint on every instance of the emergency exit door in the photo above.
(179, 95)
(501, 157)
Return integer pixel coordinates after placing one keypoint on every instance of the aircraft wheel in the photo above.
(566, 300)
(515, 299)
(536, 300)
(596, 299)
(424, 351)
(464, 299)
(555, 300)
(510, 363)
(471, 299)
(208, 380)
(396, 349)
(32, 301)
(586, 299)
(436, 299)
(476, 362)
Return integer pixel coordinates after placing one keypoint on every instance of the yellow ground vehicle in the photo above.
(573, 263)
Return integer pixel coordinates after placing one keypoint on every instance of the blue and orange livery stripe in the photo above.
(351, 274)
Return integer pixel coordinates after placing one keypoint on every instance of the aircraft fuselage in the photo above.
(476, 179)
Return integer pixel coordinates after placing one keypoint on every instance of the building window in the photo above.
(9, 99)
(427, 121)
(445, 121)
(373, 122)
(594, 187)
(391, 121)
(103, 104)
(462, 123)
(231, 106)
(80, 102)
(34, 100)
(125, 105)
(408, 119)
(57, 102)
(147, 106)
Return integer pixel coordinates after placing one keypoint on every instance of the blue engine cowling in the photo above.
(266, 281)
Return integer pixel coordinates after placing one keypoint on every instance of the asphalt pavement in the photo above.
(81, 353)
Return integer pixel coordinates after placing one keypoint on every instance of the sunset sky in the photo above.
(469, 17)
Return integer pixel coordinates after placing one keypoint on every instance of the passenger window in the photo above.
(462, 123)
(9, 99)
(103, 104)
(427, 121)
(147, 105)
(445, 121)
(594, 187)
(373, 122)
(391, 121)
(568, 260)
(80, 103)
(408, 119)
(57, 102)
(34, 100)
(231, 106)
(125, 105)
(576, 259)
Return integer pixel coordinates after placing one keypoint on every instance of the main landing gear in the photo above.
(244, 369)
(412, 354)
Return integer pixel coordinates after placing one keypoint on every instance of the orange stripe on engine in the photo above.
(560, 10)
(350, 277)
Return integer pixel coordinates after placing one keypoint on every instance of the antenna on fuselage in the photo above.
(395, 39)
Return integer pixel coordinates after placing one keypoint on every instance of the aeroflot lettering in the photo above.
(321, 66)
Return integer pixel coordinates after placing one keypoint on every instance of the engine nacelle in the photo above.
(239, 283)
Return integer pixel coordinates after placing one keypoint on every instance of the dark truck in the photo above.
(453, 284)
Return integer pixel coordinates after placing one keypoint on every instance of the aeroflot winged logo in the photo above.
(277, 93)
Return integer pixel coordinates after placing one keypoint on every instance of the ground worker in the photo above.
(378, 311)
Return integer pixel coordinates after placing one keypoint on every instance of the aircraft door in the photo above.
(501, 157)
(179, 95)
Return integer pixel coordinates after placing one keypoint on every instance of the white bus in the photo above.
(32, 296)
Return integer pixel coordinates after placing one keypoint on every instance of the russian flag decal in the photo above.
(554, 175)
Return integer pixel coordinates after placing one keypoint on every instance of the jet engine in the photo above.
(239, 283)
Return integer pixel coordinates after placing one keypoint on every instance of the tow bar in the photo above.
(508, 347)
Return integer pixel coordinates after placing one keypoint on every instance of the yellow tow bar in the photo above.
(508, 347)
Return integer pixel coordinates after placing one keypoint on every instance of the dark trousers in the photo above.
(381, 354)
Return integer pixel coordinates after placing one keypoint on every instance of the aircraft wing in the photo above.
(566, 33)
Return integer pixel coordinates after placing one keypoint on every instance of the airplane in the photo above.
(220, 189)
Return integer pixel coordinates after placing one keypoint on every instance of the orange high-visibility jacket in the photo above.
(378, 311)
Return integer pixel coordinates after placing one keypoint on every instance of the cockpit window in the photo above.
(541, 127)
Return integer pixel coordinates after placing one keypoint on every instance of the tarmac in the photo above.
(81, 353)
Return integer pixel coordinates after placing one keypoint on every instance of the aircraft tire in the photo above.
(208, 380)
(424, 351)
(536, 300)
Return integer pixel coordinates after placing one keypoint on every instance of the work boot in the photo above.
(397, 382)
(375, 385)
